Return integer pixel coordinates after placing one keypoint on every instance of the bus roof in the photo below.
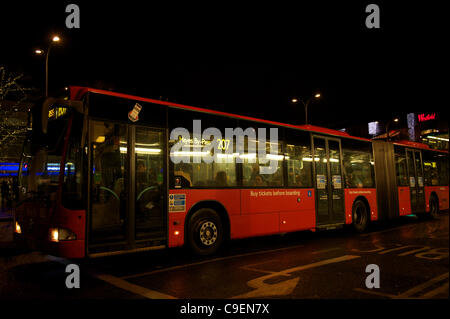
(77, 93)
(417, 145)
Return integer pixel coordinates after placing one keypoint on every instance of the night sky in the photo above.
(248, 59)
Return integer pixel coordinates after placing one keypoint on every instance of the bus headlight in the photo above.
(61, 234)
(18, 230)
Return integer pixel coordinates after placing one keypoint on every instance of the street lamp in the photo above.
(387, 127)
(315, 96)
(55, 39)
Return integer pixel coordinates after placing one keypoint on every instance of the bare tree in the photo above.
(13, 112)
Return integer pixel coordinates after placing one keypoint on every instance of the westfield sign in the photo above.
(422, 117)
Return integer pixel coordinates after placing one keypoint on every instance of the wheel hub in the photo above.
(208, 233)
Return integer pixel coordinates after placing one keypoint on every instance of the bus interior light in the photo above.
(100, 139)
(438, 138)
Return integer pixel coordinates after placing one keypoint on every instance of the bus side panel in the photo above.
(178, 208)
(404, 200)
(441, 192)
(370, 194)
(254, 225)
(294, 210)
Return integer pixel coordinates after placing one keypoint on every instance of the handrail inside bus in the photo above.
(110, 190)
(146, 189)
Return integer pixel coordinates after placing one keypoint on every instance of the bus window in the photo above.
(72, 196)
(358, 164)
(149, 161)
(443, 169)
(197, 173)
(299, 160)
(252, 164)
(109, 174)
(430, 168)
(401, 167)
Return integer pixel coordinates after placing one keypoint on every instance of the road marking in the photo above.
(374, 292)
(423, 252)
(262, 289)
(421, 287)
(415, 290)
(379, 248)
(115, 281)
(325, 251)
(138, 290)
(401, 247)
(434, 292)
(251, 267)
(207, 261)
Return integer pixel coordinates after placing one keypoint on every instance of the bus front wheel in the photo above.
(205, 232)
(360, 216)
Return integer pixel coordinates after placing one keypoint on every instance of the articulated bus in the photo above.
(102, 178)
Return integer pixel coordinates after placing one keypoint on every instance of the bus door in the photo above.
(416, 181)
(126, 196)
(328, 181)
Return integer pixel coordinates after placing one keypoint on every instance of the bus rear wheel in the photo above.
(360, 216)
(205, 232)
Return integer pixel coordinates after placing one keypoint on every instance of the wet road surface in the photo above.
(411, 256)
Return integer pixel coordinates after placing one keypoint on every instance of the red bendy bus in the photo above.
(97, 179)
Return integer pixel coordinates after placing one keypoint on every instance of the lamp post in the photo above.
(47, 53)
(387, 127)
(315, 96)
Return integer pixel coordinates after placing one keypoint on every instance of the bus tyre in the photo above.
(205, 232)
(360, 216)
(434, 207)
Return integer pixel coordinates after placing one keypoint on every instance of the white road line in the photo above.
(374, 292)
(325, 251)
(207, 261)
(115, 281)
(263, 289)
(415, 290)
(420, 287)
(434, 292)
(138, 290)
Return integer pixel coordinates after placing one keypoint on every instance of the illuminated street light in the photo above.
(295, 100)
(55, 39)
(387, 127)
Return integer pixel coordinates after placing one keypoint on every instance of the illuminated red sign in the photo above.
(422, 117)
